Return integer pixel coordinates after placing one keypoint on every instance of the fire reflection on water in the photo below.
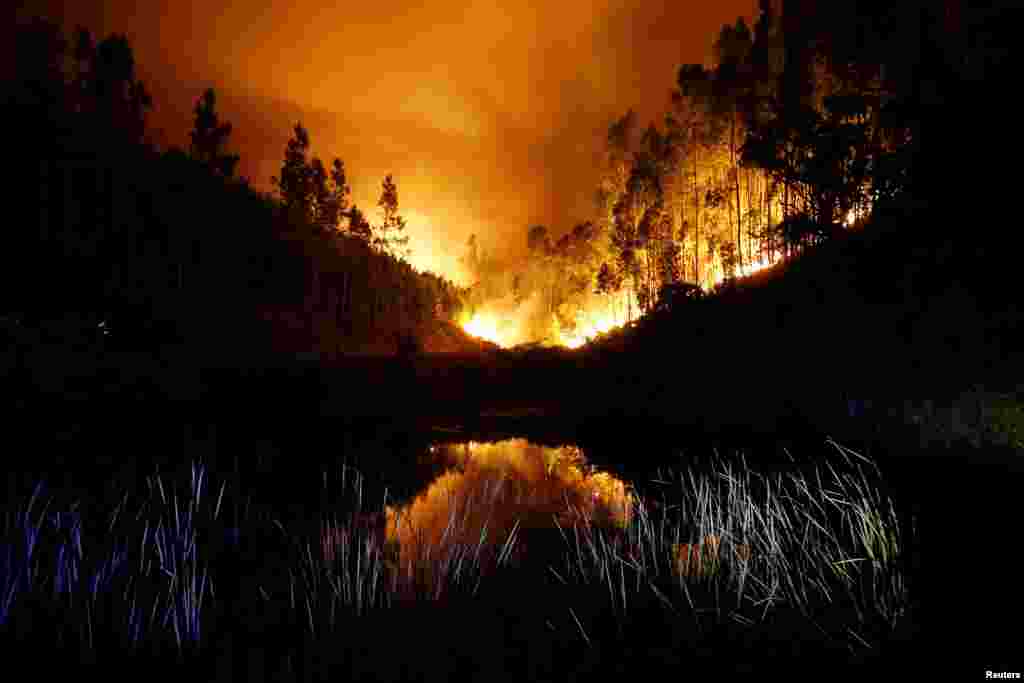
(495, 489)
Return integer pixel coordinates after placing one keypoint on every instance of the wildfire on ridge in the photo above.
(597, 317)
(483, 326)
(752, 267)
(497, 328)
(507, 325)
(505, 332)
(588, 326)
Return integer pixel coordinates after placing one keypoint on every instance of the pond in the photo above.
(280, 542)
(497, 493)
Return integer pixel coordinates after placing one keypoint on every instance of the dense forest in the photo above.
(814, 242)
(808, 224)
(799, 129)
(125, 246)
(788, 212)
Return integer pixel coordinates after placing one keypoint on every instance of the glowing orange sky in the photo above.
(489, 113)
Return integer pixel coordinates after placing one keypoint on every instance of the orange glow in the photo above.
(580, 321)
(493, 487)
(856, 215)
(748, 268)
(508, 323)
(483, 326)
(427, 250)
(490, 326)
(506, 332)
(702, 559)
(475, 153)
(603, 315)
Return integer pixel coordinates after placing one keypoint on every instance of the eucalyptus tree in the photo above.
(731, 86)
(694, 122)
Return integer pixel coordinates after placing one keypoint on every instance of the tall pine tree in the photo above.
(295, 184)
(209, 137)
(391, 237)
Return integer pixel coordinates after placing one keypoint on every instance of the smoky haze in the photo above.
(491, 115)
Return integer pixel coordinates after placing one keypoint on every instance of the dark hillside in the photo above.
(890, 312)
(121, 248)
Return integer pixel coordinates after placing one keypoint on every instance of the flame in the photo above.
(484, 326)
(755, 266)
(856, 214)
(589, 325)
(489, 325)
(507, 325)
(715, 273)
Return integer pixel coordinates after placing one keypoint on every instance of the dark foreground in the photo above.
(271, 444)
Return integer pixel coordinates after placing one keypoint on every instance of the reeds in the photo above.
(343, 574)
(736, 543)
(365, 561)
(717, 544)
(132, 581)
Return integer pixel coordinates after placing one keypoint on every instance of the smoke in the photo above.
(491, 115)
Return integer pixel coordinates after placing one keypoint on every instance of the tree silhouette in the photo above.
(339, 196)
(391, 237)
(731, 92)
(295, 184)
(538, 241)
(151, 271)
(39, 49)
(330, 195)
(209, 136)
(358, 226)
(122, 101)
(696, 124)
(823, 155)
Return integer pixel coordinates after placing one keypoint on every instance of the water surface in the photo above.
(490, 492)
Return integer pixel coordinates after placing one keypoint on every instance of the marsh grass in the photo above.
(721, 548)
(728, 544)
(355, 567)
(132, 581)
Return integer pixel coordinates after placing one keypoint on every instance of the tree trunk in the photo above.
(751, 191)
(768, 220)
(739, 205)
(682, 222)
(696, 220)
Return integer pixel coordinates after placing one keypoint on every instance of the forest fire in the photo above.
(577, 323)
(508, 326)
(309, 233)
(485, 326)
(588, 327)
(489, 328)
(755, 266)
